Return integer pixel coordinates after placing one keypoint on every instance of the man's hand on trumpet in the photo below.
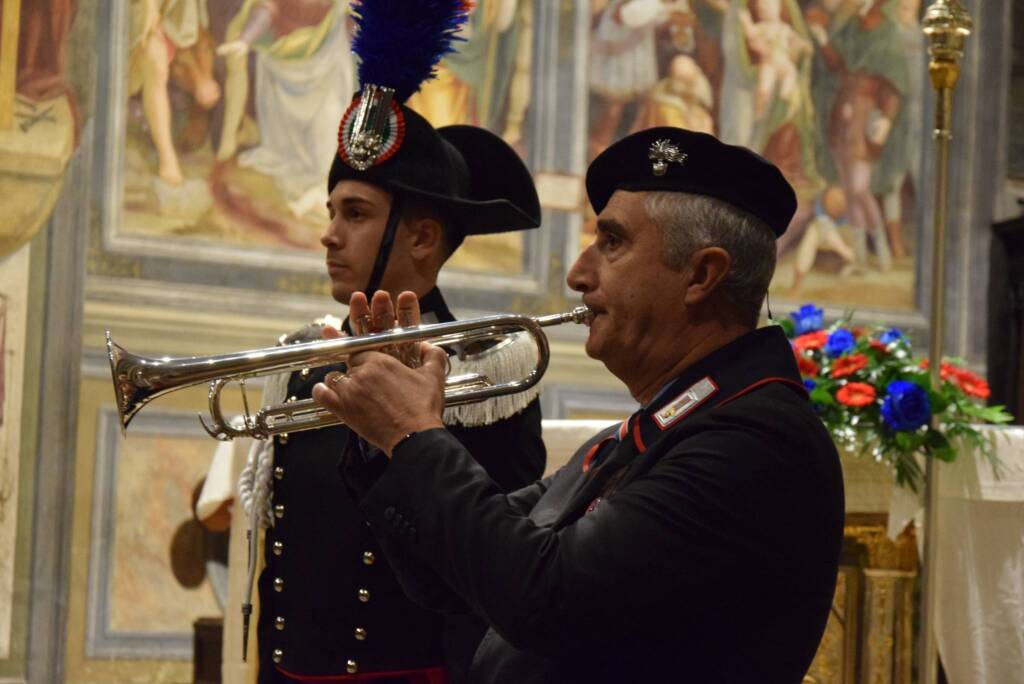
(364, 318)
(381, 398)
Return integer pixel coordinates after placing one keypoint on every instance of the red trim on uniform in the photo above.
(637, 437)
(426, 675)
(764, 381)
(588, 459)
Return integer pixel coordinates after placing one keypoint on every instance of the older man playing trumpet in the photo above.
(698, 541)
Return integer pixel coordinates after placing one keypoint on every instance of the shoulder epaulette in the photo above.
(509, 359)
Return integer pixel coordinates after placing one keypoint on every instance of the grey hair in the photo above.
(690, 222)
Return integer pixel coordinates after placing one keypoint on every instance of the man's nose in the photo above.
(329, 238)
(581, 277)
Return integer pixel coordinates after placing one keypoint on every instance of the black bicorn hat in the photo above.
(473, 176)
(671, 159)
(476, 179)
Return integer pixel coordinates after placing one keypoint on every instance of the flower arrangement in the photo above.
(876, 397)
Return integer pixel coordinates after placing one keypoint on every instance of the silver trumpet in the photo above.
(138, 380)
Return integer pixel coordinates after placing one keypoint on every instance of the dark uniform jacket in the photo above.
(697, 542)
(329, 602)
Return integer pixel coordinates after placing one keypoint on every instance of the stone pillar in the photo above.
(887, 627)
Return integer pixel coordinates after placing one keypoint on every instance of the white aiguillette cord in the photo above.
(255, 491)
(255, 481)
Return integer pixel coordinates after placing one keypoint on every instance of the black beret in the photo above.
(670, 159)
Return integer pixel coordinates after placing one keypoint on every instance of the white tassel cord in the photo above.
(255, 491)
(501, 363)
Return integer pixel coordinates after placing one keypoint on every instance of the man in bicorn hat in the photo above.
(402, 197)
(698, 541)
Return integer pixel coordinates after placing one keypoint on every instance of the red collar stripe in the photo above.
(592, 453)
(760, 383)
(638, 439)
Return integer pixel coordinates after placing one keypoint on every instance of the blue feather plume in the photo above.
(400, 42)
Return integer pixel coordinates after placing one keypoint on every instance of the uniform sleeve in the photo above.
(512, 453)
(668, 532)
(511, 450)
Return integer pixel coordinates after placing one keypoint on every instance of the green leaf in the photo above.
(938, 402)
(787, 326)
(904, 441)
(994, 414)
(820, 395)
(933, 439)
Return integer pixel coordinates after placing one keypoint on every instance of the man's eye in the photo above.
(353, 214)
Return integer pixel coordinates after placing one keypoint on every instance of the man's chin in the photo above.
(593, 345)
(342, 292)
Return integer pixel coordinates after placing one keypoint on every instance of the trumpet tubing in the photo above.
(138, 380)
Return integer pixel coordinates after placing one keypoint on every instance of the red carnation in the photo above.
(856, 394)
(973, 385)
(875, 344)
(947, 371)
(848, 365)
(806, 365)
(811, 340)
(857, 332)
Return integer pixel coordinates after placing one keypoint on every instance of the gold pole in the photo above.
(946, 26)
(8, 60)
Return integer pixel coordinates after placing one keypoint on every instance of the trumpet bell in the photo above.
(132, 390)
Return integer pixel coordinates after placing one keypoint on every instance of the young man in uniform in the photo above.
(330, 606)
(696, 542)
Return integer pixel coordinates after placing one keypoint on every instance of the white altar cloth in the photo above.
(979, 616)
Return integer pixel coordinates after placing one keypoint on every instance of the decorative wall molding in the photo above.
(101, 640)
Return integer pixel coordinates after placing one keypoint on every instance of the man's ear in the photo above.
(425, 237)
(708, 268)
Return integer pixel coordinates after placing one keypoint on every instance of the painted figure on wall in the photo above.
(169, 40)
(303, 85)
(831, 91)
(232, 119)
(766, 97)
(865, 134)
(39, 118)
(233, 111)
(487, 83)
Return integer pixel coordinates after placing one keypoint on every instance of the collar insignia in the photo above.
(692, 397)
(662, 153)
(372, 129)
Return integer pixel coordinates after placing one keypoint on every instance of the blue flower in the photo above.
(906, 406)
(810, 384)
(808, 318)
(892, 335)
(840, 342)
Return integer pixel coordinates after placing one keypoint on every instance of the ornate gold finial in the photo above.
(662, 152)
(946, 25)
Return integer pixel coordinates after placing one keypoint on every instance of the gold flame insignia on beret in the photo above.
(663, 152)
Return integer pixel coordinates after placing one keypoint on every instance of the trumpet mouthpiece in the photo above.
(582, 314)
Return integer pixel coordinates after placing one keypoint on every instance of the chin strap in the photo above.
(386, 243)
